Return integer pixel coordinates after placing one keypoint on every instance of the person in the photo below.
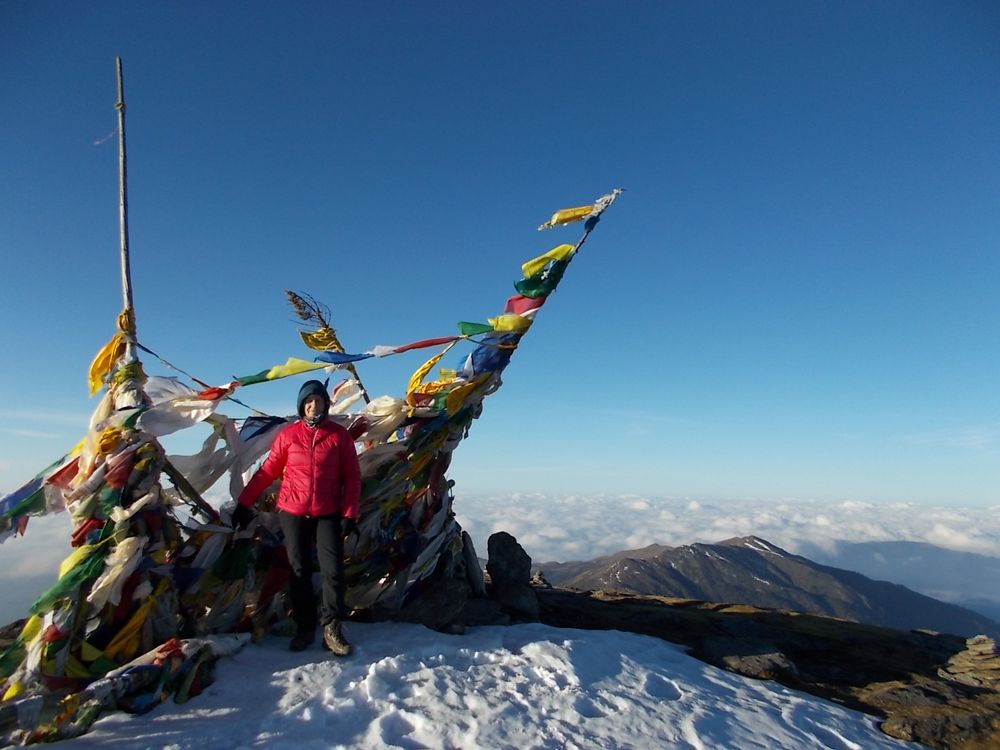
(317, 506)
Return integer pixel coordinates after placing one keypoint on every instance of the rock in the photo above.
(508, 564)
(440, 603)
(479, 612)
(538, 580)
(473, 571)
(509, 568)
(977, 666)
(748, 657)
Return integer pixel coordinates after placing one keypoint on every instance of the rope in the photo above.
(202, 383)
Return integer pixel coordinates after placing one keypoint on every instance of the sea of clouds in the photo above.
(560, 528)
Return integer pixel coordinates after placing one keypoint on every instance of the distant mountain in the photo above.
(750, 570)
(963, 578)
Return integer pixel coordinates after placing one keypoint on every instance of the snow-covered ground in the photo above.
(524, 686)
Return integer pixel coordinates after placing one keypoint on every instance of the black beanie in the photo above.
(310, 388)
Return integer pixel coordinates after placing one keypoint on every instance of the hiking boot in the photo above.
(333, 639)
(302, 640)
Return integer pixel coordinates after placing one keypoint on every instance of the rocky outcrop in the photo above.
(509, 570)
(458, 595)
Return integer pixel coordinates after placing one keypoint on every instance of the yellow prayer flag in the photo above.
(293, 367)
(421, 372)
(418, 376)
(533, 266)
(457, 397)
(109, 439)
(126, 642)
(15, 689)
(75, 557)
(567, 216)
(510, 323)
(322, 340)
(104, 361)
(32, 627)
(436, 386)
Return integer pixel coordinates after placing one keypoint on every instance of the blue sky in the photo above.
(795, 297)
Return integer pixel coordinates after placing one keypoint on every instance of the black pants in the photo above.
(304, 536)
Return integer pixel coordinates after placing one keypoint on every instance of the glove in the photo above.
(242, 517)
(348, 525)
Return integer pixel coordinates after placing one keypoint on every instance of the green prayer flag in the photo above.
(542, 283)
(473, 329)
(87, 570)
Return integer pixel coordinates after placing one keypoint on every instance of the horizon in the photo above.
(792, 299)
(568, 528)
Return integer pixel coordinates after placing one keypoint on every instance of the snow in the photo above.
(522, 686)
(760, 546)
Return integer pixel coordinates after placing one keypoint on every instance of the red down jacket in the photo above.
(319, 471)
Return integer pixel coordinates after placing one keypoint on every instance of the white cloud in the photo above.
(969, 540)
(43, 547)
(577, 527)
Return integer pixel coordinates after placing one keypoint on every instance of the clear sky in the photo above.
(796, 296)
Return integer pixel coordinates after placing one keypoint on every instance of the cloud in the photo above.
(969, 540)
(43, 547)
(576, 527)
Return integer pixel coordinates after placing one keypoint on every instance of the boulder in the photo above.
(473, 570)
(509, 569)
(442, 598)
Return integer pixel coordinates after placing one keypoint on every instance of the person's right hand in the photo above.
(242, 517)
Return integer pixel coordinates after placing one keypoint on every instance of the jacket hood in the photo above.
(311, 388)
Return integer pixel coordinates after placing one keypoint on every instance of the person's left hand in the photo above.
(348, 525)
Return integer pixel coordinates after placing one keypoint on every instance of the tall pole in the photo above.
(123, 209)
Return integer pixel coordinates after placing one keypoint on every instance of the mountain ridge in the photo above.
(751, 570)
(938, 572)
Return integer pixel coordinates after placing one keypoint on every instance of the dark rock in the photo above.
(478, 612)
(441, 599)
(508, 564)
(748, 657)
(538, 579)
(509, 568)
(473, 570)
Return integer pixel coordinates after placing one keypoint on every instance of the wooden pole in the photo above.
(123, 208)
